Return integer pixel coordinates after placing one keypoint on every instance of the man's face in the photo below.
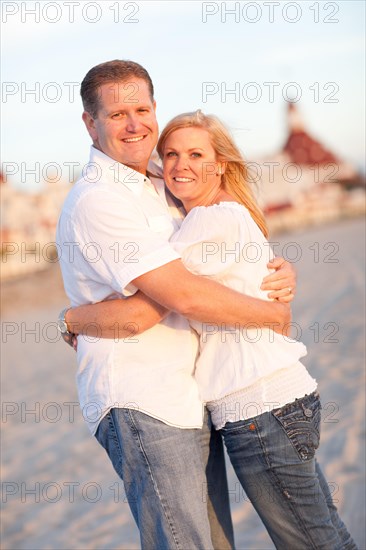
(125, 128)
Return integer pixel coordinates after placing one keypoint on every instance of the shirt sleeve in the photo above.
(119, 242)
(210, 240)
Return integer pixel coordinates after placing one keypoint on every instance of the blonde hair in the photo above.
(235, 178)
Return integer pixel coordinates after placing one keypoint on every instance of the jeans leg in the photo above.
(273, 457)
(218, 503)
(162, 470)
(348, 542)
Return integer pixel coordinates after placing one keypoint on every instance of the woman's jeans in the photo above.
(273, 455)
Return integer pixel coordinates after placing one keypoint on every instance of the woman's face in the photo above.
(190, 166)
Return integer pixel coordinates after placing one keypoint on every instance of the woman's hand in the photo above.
(281, 284)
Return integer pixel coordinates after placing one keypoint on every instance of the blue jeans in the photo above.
(168, 473)
(273, 455)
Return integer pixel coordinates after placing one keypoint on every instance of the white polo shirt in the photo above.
(115, 225)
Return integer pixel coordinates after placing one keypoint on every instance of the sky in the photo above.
(242, 61)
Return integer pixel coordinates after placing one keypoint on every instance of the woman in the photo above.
(260, 396)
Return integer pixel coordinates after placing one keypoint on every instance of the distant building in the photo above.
(28, 228)
(305, 182)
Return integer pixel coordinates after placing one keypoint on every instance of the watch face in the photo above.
(62, 326)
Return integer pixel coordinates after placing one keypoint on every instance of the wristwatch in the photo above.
(61, 323)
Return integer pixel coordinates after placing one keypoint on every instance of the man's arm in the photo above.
(118, 318)
(122, 317)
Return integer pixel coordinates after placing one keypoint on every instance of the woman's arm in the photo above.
(116, 319)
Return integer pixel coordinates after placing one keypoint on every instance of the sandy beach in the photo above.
(59, 490)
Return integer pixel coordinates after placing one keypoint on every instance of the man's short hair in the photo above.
(110, 72)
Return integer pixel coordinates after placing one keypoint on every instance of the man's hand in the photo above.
(284, 326)
(71, 339)
(282, 283)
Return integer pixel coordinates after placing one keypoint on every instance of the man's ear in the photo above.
(90, 125)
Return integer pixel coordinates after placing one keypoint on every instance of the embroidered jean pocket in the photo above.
(301, 422)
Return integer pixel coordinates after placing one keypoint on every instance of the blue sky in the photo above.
(187, 47)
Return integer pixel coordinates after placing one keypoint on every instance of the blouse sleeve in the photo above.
(210, 239)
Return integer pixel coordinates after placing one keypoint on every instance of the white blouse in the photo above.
(224, 243)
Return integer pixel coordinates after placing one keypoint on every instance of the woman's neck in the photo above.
(220, 196)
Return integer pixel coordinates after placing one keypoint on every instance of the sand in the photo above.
(59, 490)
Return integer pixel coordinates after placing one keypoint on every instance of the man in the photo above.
(139, 397)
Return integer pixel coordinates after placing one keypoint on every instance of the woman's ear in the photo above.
(221, 168)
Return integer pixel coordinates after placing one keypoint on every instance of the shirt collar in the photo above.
(111, 171)
(155, 173)
(154, 170)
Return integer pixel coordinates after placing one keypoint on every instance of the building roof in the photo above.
(301, 147)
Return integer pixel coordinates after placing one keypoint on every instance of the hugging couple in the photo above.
(170, 376)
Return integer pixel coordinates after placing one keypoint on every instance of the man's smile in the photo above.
(133, 139)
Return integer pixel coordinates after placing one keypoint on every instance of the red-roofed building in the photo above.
(305, 182)
(301, 147)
